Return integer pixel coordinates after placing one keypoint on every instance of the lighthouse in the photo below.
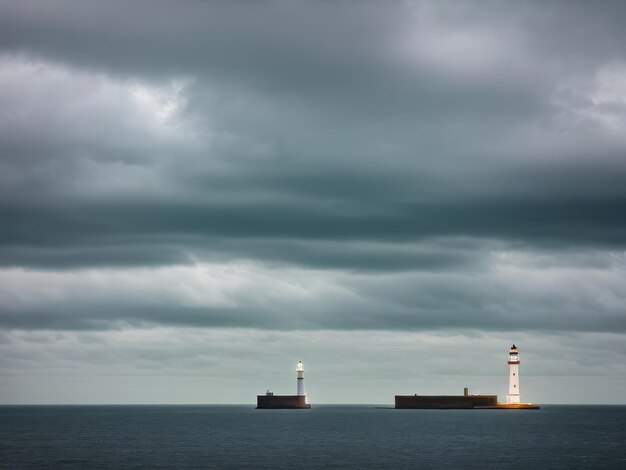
(298, 401)
(513, 396)
(300, 370)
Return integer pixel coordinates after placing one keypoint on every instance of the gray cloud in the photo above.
(507, 290)
(162, 233)
(239, 137)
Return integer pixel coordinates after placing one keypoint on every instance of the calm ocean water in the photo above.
(323, 437)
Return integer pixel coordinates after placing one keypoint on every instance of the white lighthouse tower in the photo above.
(513, 396)
(300, 370)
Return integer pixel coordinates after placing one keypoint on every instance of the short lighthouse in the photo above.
(300, 370)
(298, 401)
(513, 396)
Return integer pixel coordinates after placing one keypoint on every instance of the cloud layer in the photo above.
(414, 167)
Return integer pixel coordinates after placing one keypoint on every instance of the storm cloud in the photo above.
(403, 168)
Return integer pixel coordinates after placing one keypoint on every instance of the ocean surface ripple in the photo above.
(326, 436)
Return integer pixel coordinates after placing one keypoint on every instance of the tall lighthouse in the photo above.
(300, 370)
(513, 396)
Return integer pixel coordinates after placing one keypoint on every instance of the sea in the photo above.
(325, 437)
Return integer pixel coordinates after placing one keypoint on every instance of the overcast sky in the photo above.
(194, 196)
